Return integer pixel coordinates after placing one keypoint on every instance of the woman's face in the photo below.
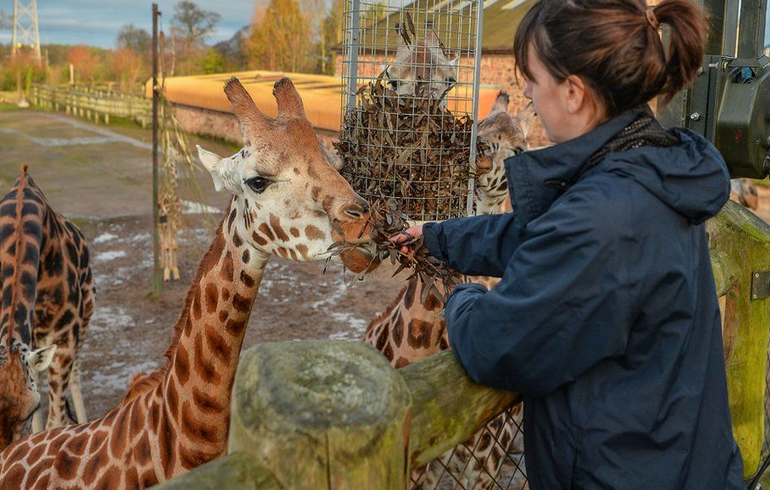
(562, 107)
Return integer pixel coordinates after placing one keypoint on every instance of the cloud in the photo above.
(97, 22)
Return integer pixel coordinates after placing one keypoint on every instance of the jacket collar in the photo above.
(537, 178)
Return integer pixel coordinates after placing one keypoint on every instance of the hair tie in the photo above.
(652, 19)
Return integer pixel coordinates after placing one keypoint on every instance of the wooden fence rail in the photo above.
(96, 105)
(323, 414)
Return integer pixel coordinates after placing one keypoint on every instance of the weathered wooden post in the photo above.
(739, 235)
(322, 414)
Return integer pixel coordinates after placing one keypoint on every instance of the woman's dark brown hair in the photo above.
(614, 46)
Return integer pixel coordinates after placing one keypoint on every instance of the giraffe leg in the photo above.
(77, 396)
(37, 418)
(58, 381)
(174, 266)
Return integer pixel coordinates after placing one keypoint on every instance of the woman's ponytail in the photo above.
(687, 37)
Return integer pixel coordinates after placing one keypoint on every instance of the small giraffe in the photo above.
(411, 329)
(168, 226)
(49, 292)
(287, 201)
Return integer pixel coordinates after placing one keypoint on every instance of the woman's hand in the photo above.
(406, 235)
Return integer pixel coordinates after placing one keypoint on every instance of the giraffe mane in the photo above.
(142, 383)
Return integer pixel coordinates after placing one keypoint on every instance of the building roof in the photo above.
(322, 95)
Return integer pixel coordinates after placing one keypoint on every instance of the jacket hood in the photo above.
(690, 177)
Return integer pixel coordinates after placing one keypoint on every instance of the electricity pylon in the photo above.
(25, 30)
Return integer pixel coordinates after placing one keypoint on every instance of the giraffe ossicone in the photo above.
(287, 200)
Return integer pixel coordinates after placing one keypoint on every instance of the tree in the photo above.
(86, 63)
(213, 62)
(281, 40)
(190, 27)
(331, 36)
(135, 39)
(193, 24)
(127, 67)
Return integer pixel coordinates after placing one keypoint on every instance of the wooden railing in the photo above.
(95, 104)
(322, 414)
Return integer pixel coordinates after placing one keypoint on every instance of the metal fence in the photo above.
(410, 102)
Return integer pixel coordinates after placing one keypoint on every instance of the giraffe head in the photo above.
(422, 68)
(19, 397)
(289, 198)
(507, 136)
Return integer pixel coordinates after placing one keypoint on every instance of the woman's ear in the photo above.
(577, 97)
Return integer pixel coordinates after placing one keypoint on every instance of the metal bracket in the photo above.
(760, 285)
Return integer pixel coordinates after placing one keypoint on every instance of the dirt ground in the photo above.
(101, 178)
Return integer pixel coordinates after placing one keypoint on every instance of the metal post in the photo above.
(752, 29)
(475, 113)
(355, 14)
(156, 274)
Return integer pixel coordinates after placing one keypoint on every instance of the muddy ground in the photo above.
(101, 177)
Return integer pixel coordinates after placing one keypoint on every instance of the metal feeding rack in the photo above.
(410, 104)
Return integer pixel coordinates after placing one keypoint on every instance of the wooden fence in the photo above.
(95, 104)
(322, 414)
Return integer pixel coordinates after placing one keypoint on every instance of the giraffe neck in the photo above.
(24, 225)
(194, 397)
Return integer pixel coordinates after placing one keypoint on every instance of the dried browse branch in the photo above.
(412, 149)
(386, 221)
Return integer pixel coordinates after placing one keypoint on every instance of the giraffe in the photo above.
(411, 328)
(744, 192)
(168, 225)
(48, 291)
(421, 68)
(286, 201)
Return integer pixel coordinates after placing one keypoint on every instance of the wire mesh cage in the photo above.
(410, 103)
(493, 459)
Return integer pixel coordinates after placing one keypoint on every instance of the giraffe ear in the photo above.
(332, 158)
(40, 359)
(525, 118)
(223, 171)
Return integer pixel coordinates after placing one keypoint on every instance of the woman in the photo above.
(606, 318)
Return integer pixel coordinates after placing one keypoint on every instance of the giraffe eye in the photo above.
(258, 184)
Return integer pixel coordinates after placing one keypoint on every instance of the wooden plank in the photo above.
(322, 415)
(447, 407)
(739, 234)
(237, 471)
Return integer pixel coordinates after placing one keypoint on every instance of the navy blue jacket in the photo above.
(606, 318)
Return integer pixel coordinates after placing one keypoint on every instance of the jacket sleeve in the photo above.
(477, 245)
(561, 308)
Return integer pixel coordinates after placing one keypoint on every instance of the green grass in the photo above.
(5, 107)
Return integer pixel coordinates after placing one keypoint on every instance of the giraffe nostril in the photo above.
(355, 211)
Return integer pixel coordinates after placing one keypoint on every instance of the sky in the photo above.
(97, 22)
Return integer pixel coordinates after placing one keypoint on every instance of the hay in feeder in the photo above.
(411, 149)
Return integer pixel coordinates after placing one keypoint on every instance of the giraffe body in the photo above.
(54, 291)
(412, 329)
(287, 201)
